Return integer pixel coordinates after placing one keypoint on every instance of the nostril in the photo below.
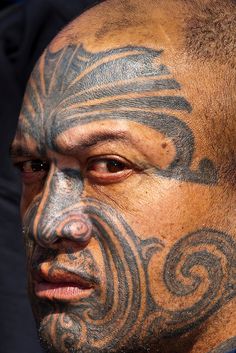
(72, 225)
(75, 227)
(77, 230)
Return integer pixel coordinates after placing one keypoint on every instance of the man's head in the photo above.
(126, 142)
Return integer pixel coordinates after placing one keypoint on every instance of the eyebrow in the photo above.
(102, 136)
(19, 151)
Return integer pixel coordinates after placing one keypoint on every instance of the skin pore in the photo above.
(128, 201)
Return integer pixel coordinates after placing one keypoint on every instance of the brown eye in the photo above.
(108, 170)
(32, 166)
(33, 171)
(115, 166)
(106, 166)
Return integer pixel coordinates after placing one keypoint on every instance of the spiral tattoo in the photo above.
(200, 268)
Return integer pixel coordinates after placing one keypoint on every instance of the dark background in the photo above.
(26, 27)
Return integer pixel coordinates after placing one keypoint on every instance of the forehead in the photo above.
(74, 86)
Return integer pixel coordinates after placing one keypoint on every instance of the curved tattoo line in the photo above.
(77, 87)
(120, 315)
(205, 249)
(172, 128)
(63, 180)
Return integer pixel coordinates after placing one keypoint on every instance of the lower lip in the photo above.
(61, 291)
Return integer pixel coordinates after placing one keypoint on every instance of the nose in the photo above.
(74, 225)
(59, 214)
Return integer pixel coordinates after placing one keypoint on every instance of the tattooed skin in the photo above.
(107, 320)
(71, 88)
(74, 83)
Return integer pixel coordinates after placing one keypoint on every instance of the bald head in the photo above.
(205, 29)
(126, 143)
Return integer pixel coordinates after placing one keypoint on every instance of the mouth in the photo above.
(64, 291)
(62, 286)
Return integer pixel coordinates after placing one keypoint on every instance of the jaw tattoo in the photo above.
(74, 87)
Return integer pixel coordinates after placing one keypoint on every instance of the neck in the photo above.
(217, 335)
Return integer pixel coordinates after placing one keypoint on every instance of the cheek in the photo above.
(99, 259)
(168, 209)
(147, 205)
(155, 274)
(29, 192)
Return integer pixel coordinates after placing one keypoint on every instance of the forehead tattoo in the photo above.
(72, 87)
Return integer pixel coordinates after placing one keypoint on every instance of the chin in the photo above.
(61, 332)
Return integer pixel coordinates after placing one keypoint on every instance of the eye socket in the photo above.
(33, 171)
(32, 166)
(106, 166)
(108, 169)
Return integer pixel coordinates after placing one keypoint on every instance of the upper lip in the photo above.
(65, 275)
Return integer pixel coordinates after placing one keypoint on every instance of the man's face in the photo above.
(123, 208)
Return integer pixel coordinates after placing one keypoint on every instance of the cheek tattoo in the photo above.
(73, 87)
(122, 306)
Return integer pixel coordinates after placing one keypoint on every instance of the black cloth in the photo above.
(25, 30)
